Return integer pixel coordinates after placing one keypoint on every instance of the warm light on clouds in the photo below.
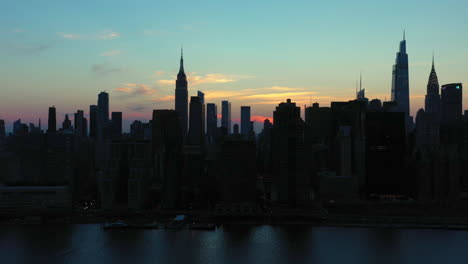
(135, 89)
(208, 78)
(166, 98)
(109, 35)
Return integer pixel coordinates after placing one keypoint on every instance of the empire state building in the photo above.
(181, 96)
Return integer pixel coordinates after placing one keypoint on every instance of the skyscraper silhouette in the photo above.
(211, 121)
(203, 111)
(226, 116)
(432, 102)
(245, 120)
(451, 102)
(66, 124)
(195, 135)
(116, 124)
(2, 128)
(79, 123)
(103, 115)
(93, 116)
(52, 124)
(181, 96)
(400, 79)
(103, 107)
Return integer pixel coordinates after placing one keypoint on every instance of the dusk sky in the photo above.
(256, 53)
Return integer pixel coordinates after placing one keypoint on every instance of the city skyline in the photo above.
(258, 75)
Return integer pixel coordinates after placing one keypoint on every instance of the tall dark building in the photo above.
(400, 80)
(432, 102)
(66, 124)
(103, 116)
(116, 124)
(245, 120)
(202, 100)
(291, 182)
(235, 129)
(237, 172)
(226, 116)
(2, 128)
(52, 125)
(211, 121)
(451, 102)
(93, 116)
(195, 135)
(167, 152)
(80, 124)
(103, 107)
(181, 96)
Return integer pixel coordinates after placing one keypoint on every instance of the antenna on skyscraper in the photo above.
(404, 34)
(360, 81)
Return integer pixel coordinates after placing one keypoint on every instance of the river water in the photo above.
(231, 244)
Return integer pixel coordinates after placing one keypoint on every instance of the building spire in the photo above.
(360, 81)
(404, 34)
(181, 74)
(432, 59)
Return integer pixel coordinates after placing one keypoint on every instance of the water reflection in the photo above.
(231, 244)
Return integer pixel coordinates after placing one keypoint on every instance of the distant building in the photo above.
(2, 128)
(235, 128)
(291, 182)
(128, 174)
(52, 124)
(116, 124)
(400, 80)
(93, 121)
(42, 198)
(245, 120)
(80, 125)
(432, 101)
(385, 154)
(181, 97)
(66, 124)
(237, 175)
(20, 128)
(226, 116)
(104, 129)
(211, 121)
(202, 100)
(452, 102)
(167, 151)
(375, 105)
(195, 136)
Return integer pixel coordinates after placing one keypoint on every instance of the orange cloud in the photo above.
(164, 98)
(135, 89)
(208, 78)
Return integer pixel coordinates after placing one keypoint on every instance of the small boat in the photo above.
(116, 225)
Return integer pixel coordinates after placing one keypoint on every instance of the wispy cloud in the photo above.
(110, 53)
(18, 30)
(109, 34)
(164, 98)
(135, 89)
(103, 35)
(104, 69)
(69, 35)
(208, 78)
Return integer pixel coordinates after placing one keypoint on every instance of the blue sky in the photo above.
(256, 53)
